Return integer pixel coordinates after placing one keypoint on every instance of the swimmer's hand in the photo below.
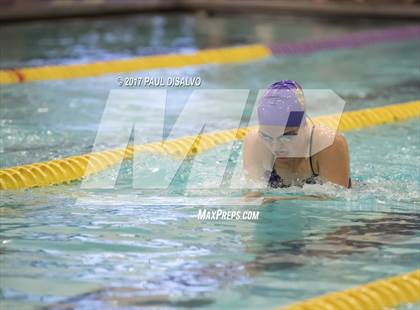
(306, 197)
(250, 196)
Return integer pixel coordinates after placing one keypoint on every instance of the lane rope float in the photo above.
(382, 294)
(244, 53)
(210, 56)
(76, 167)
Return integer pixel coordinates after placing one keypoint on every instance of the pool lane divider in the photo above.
(73, 168)
(349, 41)
(239, 54)
(382, 294)
(209, 56)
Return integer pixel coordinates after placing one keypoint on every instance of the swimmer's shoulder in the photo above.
(332, 162)
(253, 143)
(251, 135)
(255, 154)
(326, 142)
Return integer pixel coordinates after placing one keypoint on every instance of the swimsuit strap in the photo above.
(310, 151)
(310, 158)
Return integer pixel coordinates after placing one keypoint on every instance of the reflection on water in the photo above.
(192, 284)
(362, 236)
(83, 40)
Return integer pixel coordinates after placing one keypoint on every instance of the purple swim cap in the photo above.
(282, 105)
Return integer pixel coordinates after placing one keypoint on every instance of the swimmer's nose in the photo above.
(276, 146)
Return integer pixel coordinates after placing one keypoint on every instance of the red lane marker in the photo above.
(19, 74)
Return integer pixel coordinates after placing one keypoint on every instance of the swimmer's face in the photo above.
(278, 139)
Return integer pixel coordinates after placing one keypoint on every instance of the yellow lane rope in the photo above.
(210, 56)
(243, 53)
(76, 167)
(382, 294)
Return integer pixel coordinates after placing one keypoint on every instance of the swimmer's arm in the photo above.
(254, 172)
(250, 196)
(305, 197)
(334, 162)
(253, 157)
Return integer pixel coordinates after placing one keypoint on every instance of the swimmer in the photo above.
(288, 149)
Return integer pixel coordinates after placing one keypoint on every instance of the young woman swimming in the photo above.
(288, 148)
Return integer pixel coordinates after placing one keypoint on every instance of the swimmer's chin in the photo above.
(281, 154)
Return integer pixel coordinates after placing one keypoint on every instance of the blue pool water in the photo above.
(124, 249)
